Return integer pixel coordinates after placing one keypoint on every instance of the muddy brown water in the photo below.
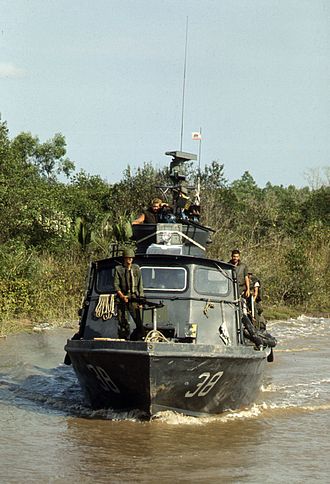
(48, 434)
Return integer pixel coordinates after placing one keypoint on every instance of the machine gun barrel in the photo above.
(150, 304)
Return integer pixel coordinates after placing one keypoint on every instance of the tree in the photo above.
(213, 178)
(48, 157)
(136, 189)
(30, 197)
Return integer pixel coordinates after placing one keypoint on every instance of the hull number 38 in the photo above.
(103, 378)
(205, 385)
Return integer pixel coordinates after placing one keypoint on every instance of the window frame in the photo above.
(107, 290)
(208, 291)
(158, 289)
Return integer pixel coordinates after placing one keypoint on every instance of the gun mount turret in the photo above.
(181, 233)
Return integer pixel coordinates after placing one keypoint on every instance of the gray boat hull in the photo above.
(192, 379)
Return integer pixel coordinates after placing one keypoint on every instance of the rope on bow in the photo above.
(105, 308)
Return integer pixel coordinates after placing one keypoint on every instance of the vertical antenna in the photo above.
(198, 189)
(199, 152)
(184, 83)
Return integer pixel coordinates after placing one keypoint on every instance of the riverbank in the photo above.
(30, 326)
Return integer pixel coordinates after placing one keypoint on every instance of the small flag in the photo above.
(196, 135)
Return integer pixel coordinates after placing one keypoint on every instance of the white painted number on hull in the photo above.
(104, 379)
(207, 383)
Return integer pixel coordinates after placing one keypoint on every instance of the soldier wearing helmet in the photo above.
(129, 287)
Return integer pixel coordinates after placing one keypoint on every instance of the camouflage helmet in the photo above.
(128, 252)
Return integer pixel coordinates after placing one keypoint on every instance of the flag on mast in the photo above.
(196, 135)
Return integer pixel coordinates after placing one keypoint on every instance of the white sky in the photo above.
(108, 75)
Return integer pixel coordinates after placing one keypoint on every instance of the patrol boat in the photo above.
(201, 355)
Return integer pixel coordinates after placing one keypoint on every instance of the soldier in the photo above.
(150, 216)
(241, 272)
(129, 287)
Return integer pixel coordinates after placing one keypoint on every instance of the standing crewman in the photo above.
(241, 273)
(129, 288)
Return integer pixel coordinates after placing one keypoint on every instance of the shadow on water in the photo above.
(33, 377)
(54, 390)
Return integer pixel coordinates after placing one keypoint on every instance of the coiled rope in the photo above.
(155, 336)
(105, 308)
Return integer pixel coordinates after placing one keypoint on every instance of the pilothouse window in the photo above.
(105, 277)
(210, 281)
(164, 278)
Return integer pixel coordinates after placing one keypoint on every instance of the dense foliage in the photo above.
(51, 229)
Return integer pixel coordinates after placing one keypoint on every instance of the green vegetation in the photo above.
(51, 229)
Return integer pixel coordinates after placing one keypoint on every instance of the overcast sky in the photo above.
(108, 75)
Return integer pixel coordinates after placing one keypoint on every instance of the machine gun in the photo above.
(149, 305)
(146, 304)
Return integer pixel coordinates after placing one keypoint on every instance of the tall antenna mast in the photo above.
(200, 152)
(184, 83)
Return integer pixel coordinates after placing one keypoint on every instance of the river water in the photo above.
(48, 434)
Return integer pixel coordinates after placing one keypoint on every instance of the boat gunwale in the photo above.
(161, 349)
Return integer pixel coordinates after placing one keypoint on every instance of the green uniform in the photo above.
(241, 273)
(129, 282)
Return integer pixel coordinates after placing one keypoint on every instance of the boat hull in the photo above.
(191, 379)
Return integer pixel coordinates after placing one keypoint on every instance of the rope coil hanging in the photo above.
(105, 308)
(155, 336)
